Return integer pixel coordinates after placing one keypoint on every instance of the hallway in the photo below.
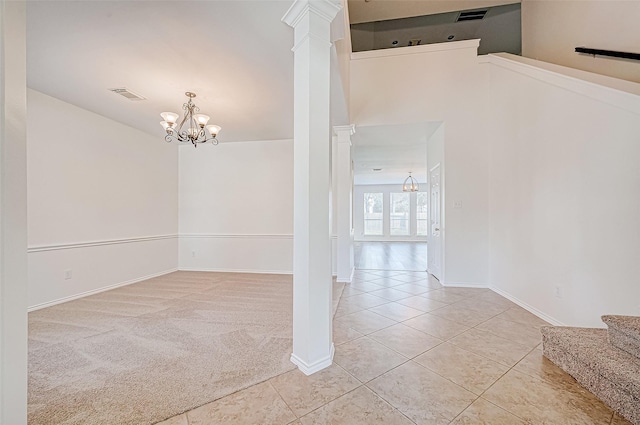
(398, 256)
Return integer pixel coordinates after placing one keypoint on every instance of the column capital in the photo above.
(344, 132)
(327, 9)
(338, 129)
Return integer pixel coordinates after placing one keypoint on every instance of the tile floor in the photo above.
(411, 352)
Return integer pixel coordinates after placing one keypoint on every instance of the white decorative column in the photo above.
(312, 284)
(344, 200)
(13, 213)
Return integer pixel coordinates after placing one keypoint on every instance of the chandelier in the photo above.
(194, 125)
(410, 184)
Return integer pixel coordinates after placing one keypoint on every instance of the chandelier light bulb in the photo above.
(213, 130)
(170, 117)
(201, 119)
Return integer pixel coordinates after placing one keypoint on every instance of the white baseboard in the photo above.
(346, 280)
(97, 291)
(309, 369)
(527, 307)
(225, 270)
(464, 285)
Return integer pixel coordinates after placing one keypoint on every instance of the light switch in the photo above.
(457, 204)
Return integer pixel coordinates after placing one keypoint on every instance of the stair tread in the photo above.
(591, 347)
(627, 324)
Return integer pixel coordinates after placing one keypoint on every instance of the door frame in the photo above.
(430, 252)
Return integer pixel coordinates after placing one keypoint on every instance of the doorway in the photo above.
(397, 256)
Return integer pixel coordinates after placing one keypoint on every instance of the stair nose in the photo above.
(624, 333)
(586, 354)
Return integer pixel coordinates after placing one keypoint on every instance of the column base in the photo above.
(309, 369)
(346, 279)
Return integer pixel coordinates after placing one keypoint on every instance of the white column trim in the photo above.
(341, 133)
(344, 203)
(318, 365)
(307, 37)
(326, 9)
(312, 299)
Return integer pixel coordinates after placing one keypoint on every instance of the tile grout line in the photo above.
(282, 398)
(477, 396)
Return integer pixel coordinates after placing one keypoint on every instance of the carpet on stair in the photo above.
(611, 374)
(624, 333)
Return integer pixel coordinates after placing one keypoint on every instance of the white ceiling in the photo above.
(380, 10)
(235, 55)
(397, 149)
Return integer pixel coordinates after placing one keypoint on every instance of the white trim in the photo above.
(376, 238)
(619, 93)
(97, 291)
(222, 142)
(527, 307)
(236, 236)
(339, 130)
(326, 9)
(74, 245)
(349, 279)
(412, 50)
(225, 270)
(310, 36)
(464, 285)
(309, 369)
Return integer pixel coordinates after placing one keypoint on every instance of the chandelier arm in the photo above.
(182, 136)
(184, 119)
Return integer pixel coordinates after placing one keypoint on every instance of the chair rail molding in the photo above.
(101, 242)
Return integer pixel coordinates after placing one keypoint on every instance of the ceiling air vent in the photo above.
(123, 91)
(473, 15)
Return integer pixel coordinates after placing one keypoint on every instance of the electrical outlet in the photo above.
(193, 254)
(68, 274)
(558, 292)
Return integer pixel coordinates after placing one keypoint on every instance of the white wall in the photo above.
(102, 202)
(386, 190)
(565, 185)
(438, 82)
(13, 211)
(236, 207)
(551, 30)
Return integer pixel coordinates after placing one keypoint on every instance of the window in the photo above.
(373, 214)
(422, 228)
(399, 214)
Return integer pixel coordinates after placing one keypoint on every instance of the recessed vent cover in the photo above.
(473, 15)
(123, 91)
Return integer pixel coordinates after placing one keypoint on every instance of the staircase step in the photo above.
(624, 333)
(611, 374)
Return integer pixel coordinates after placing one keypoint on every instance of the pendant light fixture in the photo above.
(194, 123)
(410, 184)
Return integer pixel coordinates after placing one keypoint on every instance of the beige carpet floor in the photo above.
(148, 351)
